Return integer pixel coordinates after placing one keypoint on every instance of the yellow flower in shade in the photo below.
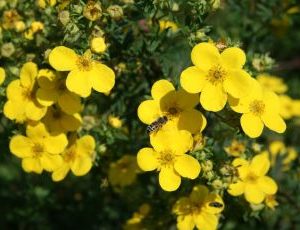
(198, 210)
(43, 3)
(279, 150)
(261, 107)
(168, 157)
(9, 19)
(236, 148)
(22, 104)
(92, 10)
(177, 106)
(253, 182)
(2, 75)
(286, 106)
(165, 24)
(52, 89)
(38, 149)
(135, 222)
(123, 172)
(296, 108)
(77, 157)
(115, 122)
(271, 202)
(98, 45)
(216, 75)
(85, 73)
(272, 83)
(57, 121)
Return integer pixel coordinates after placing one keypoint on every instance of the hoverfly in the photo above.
(215, 204)
(157, 124)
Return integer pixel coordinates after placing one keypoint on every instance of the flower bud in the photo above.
(115, 11)
(7, 49)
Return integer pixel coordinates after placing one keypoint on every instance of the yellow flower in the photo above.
(279, 150)
(260, 108)
(29, 34)
(115, 121)
(177, 106)
(165, 24)
(9, 19)
(84, 74)
(253, 182)
(2, 75)
(135, 222)
(98, 45)
(198, 210)
(92, 10)
(272, 83)
(168, 157)
(123, 172)
(20, 26)
(57, 121)
(216, 75)
(22, 104)
(36, 26)
(38, 149)
(52, 89)
(286, 106)
(236, 149)
(271, 201)
(77, 157)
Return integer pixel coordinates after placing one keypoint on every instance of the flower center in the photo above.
(257, 107)
(37, 150)
(84, 63)
(216, 74)
(251, 178)
(166, 159)
(69, 155)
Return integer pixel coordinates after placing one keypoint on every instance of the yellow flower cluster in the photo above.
(48, 102)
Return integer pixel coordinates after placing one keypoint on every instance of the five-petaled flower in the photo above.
(200, 209)
(169, 157)
(85, 73)
(253, 182)
(216, 75)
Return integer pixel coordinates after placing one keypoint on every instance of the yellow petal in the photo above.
(213, 97)
(185, 100)
(78, 82)
(34, 111)
(169, 180)
(252, 125)
(206, 221)
(192, 121)
(242, 166)
(37, 131)
(102, 78)
(260, 164)
(15, 111)
(204, 55)
(15, 91)
(233, 57)
(62, 58)
(267, 185)
(47, 79)
(71, 122)
(21, 146)
(199, 193)
(147, 159)
(86, 145)
(81, 165)
(161, 88)
(187, 166)
(69, 102)
(148, 111)
(56, 144)
(32, 165)
(51, 162)
(178, 142)
(274, 122)
(2, 75)
(46, 97)
(28, 74)
(238, 83)
(253, 194)
(236, 189)
(271, 101)
(213, 198)
(185, 222)
(192, 79)
(60, 173)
